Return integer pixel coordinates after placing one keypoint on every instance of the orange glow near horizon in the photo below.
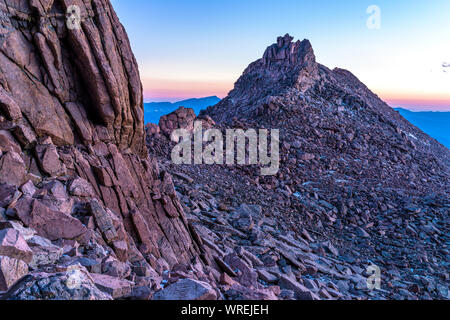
(166, 89)
(155, 89)
(418, 101)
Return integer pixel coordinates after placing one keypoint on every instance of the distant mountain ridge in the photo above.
(155, 110)
(434, 123)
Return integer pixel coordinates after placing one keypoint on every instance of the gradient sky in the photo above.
(199, 48)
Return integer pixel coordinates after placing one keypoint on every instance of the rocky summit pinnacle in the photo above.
(286, 51)
(285, 66)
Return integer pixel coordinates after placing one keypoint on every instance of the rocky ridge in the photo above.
(358, 186)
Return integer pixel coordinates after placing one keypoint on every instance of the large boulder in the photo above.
(116, 287)
(48, 159)
(51, 224)
(12, 169)
(73, 284)
(11, 270)
(13, 245)
(81, 188)
(182, 118)
(187, 289)
(45, 253)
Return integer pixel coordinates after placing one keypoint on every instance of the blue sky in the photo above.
(198, 48)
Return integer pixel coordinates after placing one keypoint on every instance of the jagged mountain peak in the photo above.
(287, 86)
(288, 52)
(286, 66)
(288, 74)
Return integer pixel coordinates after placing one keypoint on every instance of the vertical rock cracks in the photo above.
(71, 109)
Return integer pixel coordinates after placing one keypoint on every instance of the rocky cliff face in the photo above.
(73, 162)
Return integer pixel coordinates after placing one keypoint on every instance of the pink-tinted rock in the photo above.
(246, 275)
(24, 135)
(12, 169)
(181, 118)
(152, 128)
(113, 286)
(104, 221)
(26, 233)
(13, 245)
(267, 276)
(8, 106)
(8, 143)
(301, 292)
(7, 194)
(187, 289)
(121, 249)
(115, 268)
(49, 160)
(142, 228)
(28, 188)
(44, 252)
(77, 129)
(81, 188)
(103, 176)
(11, 270)
(50, 223)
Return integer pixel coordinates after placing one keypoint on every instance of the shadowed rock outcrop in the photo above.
(72, 126)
